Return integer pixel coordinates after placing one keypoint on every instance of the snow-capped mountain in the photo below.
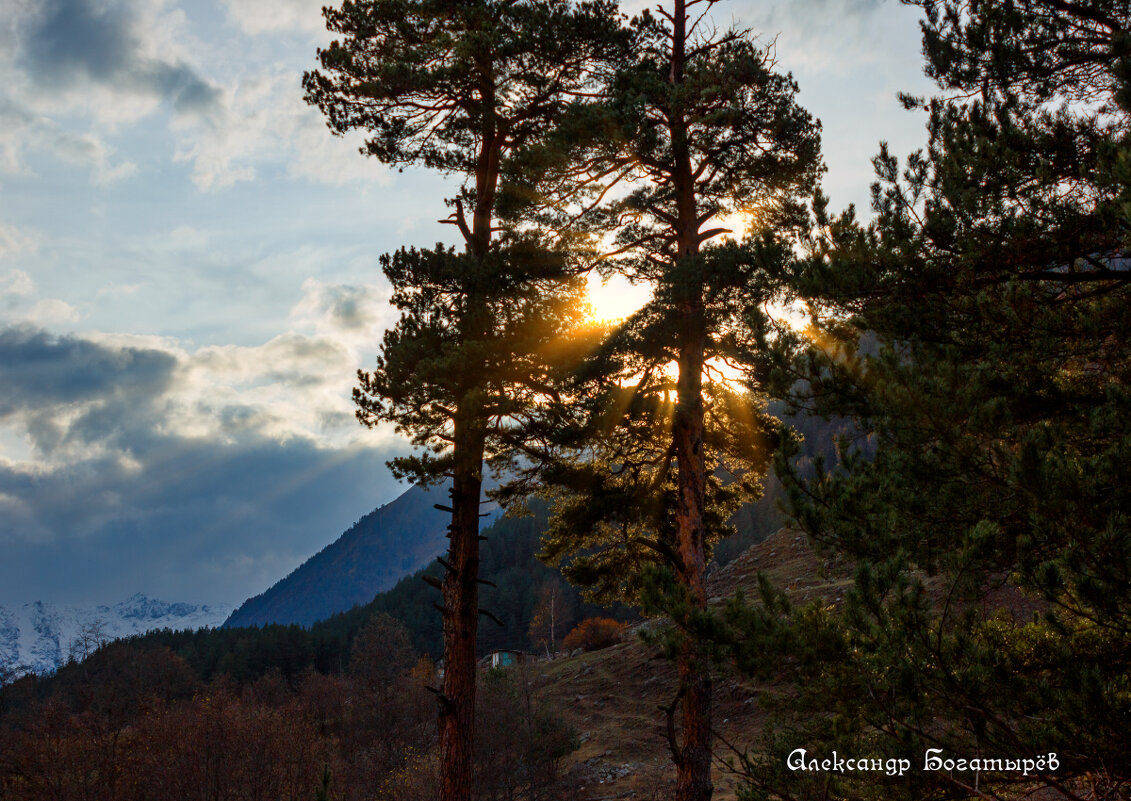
(39, 637)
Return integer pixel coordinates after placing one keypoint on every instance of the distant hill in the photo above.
(405, 535)
(387, 544)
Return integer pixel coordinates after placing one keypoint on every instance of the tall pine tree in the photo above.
(698, 125)
(461, 88)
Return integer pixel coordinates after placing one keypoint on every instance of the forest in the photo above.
(934, 395)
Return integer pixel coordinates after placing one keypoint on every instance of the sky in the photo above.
(189, 279)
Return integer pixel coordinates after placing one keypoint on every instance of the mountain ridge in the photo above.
(385, 545)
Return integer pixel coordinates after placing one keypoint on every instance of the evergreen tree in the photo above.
(991, 612)
(461, 88)
(698, 125)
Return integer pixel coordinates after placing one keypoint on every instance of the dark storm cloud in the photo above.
(119, 500)
(71, 391)
(73, 41)
(39, 370)
(205, 521)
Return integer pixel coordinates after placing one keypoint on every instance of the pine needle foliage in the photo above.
(977, 330)
(462, 88)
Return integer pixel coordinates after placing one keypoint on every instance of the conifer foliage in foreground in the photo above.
(990, 617)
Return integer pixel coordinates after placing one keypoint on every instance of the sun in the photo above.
(615, 299)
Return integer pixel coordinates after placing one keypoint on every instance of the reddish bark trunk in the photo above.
(693, 757)
(693, 779)
(461, 585)
(693, 773)
(461, 618)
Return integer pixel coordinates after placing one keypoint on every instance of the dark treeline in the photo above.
(244, 655)
(135, 720)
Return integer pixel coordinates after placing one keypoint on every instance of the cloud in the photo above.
(94, 64)
(38, 370)
(818, 35)
(109, 396)
(268, 122)
(73, 45)
(112, 63)
(167, 466)
(12, 241)
(352, 314)
(62, 393)
(23, 130)
(52, 312)
(15, 284)
(19, 300)
(264, 16)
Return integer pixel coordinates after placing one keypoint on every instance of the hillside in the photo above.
(611, 697)
(402, 537)
(388, 543)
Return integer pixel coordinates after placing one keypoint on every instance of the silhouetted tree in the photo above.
(460, 88)
(702, 125)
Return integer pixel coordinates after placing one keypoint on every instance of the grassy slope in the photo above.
(612, 697)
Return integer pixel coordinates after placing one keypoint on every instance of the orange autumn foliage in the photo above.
(594, 634)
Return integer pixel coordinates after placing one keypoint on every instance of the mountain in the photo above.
(40, 637)
(405, 535)
(387, 544)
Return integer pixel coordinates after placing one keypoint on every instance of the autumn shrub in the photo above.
(595, 633)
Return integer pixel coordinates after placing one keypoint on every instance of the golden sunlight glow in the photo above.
(715, 371)
(740, 223)
(614, 299)
(794, 315)
(720, 371)
(797, 317)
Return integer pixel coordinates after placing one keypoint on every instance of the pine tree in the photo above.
(700, 125)
(978, 329)
(461, 88)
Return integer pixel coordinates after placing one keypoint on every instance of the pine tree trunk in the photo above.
(693, 760)
(461, 617)
(461, 585)
(693, 779)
